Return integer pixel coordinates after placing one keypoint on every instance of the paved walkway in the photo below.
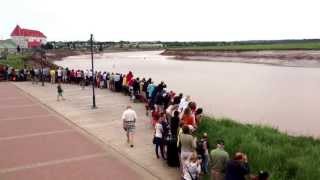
(37, 143)
(105, 123)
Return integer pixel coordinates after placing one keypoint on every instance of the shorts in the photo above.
(130, 126)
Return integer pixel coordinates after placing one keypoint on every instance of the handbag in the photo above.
(154, 140)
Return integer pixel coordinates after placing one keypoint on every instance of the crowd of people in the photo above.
(174, 117)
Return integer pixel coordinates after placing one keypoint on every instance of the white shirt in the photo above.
(159, 130)
(116, 77)
(59, 72)
(129, 115)
(191, 169)
(183, 104)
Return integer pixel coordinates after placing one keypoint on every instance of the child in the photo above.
(60, 91)
(158, 138)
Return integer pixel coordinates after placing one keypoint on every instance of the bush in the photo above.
(15, 61)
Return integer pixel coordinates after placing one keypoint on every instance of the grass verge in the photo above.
(15, 61)
(285, 157)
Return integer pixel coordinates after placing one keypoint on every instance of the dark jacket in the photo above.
(236, 170)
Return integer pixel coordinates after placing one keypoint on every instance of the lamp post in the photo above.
(42, 62)
(93, 76)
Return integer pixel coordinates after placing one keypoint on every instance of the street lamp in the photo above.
(93, 76)
(42, 52)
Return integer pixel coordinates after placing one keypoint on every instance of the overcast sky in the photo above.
(166, 20)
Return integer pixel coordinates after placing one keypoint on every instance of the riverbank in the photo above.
(33, 59)
(283, 156)
(292, 58)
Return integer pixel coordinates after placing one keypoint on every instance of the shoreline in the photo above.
(288, 58)
(301, 58)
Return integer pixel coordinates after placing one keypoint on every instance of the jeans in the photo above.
(158, 142)
(205, 163)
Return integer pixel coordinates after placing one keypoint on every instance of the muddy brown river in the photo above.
(287, 98)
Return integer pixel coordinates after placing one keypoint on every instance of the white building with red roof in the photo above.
(27, 38)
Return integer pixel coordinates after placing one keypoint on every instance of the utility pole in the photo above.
(42, 64)
(93, 76)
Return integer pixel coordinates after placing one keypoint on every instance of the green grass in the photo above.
(255, 47)
(15, 61)
(285, 157)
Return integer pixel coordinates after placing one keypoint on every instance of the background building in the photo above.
(26, 38)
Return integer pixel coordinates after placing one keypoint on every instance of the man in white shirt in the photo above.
(59, 74)
(129, 118)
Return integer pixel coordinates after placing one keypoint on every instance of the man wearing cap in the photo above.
(219, 159)
(129, 118)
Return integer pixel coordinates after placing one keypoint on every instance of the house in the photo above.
(27, 38)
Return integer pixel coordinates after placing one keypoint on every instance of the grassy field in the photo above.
(254, 47)
(15, 61)
(285, 157)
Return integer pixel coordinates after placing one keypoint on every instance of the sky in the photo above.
(164, 20)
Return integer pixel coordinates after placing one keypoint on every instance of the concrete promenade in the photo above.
(37, 143)
(104, 123)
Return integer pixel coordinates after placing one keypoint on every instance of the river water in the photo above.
(287, 98)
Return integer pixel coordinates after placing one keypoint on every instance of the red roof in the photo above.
(26, 32)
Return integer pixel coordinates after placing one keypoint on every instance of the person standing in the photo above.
(53, 76)
(188, 119)
(59, 75)
(219, 159)
(188, 145)
(32, 76)
(64, 75)
(172, 149)
(83, 80)
(36, 75)
(158, 138)
(203, 151)
(129, 118)
(238, 168)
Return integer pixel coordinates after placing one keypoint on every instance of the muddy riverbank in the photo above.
(292, 58)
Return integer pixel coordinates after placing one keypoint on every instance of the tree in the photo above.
(48, 46)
